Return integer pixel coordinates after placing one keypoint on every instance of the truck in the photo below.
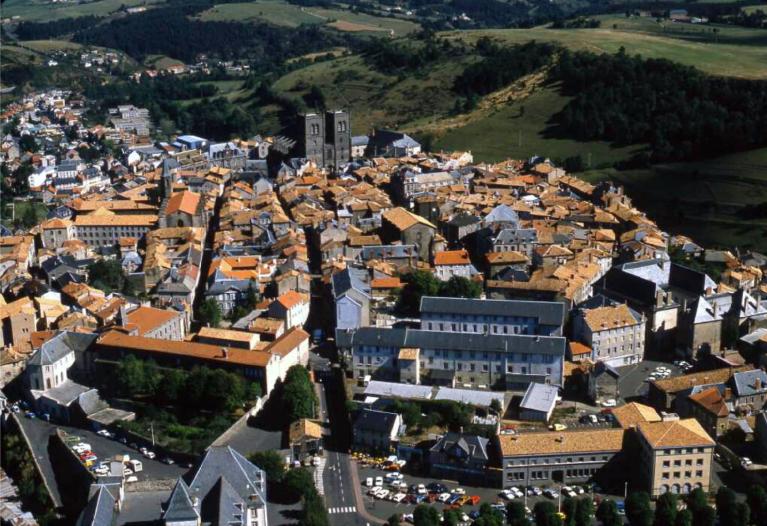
(135, 465)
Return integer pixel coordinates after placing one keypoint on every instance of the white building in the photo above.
(616, 334)
(293, 307)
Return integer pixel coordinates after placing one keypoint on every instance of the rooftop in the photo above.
(557, 443)
(633, 413)
(675, 433)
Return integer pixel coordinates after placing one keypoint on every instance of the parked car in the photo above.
(132, 478)
(398, 497)
(745, 462)
(507, 494)
(459, 491)
(383, 493)
(610, 402)
(379, 481)
(150, 455)
(421, 489)
(551, 493)
(168, 460)
(444, 497)
(369, 482)
(436, 487)
(30, 414)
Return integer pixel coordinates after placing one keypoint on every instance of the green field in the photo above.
(47, 46)
(281, 13)
(509, 133)
(45, 11)
(702, 199)
(740, 52)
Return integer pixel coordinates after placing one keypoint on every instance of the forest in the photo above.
(678, 111)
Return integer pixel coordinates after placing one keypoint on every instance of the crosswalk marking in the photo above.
(318, 476)
(343, 509)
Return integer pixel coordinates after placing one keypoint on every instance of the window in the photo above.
(666, 463)
(698, 473)
(665, 475)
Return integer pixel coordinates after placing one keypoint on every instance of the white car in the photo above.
(383, 493)
(459, 491)
(609, 402)
(132, 478)
(315, 461)
(379, 481)
(517, 492)
(421, 489)
(104, 433)
(745, 461)
(567, 491)
(398, 497)
(369, 482)
(408, 517)
(507, 494)
(372, 491)
(443, 497)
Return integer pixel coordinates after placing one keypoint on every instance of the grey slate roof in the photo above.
(52, 351)
(375, 421)
(539, 397)
(547, 312)
(517, 343)
(350, 278)
(474, 446)
(469, 396)
(65, 393)
(502, 214)
(394, 389)
(179, 506)
(745, 382)
(511, 236)
(100, 510)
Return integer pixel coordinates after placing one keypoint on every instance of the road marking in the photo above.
(342, 509)
(318, 479)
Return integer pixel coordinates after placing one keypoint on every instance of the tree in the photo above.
(106, 275)
(299, 482)
(742, 514)
(315, 513)
(27, 143)
(516, 515)
(569, 508)
(130, 376)
(29, 216)
(172, 386)
(451, 518)
(488, 516)
(607, 513)
(706, 517)
(394, 520)
(298, 396)
(209, 313)
(683, 518)
(460, 287)
(726, 502)
(665, 510)
(545, 514)
(424, 515)
(585, 512)
(757, 501)
(417, 284)
(638, 509)
(495, 406)
(272, 464)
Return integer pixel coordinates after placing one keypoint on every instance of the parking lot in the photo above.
(385, 508)
(632, 384)
(104, 448)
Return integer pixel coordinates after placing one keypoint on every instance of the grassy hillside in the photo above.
(281, 13)
(45, 10)
(733, 51)
(702, 199)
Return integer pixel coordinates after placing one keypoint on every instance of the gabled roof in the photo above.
(675, 433)
(402, 219)
(246, 480)
(711, 400)
(546, 312)
(100, 510)
(179, 507)
(375, 421)
(634, 413)
(186, 202)
(748, 383)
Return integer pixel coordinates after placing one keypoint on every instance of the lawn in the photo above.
(281, 13)
(509, 133)
(740, 52)
(21, 209)
(702, 199)
(161, 61)
(46, 11)
(47, 46)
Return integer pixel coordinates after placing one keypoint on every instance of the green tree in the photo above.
(683, 518)
(451, 518)
(607, 513)
(585, 512)
(665, 510)
(209, 313)
(424, 515)
(638, 509)
(569, 508)
(298, 396)
(495, 406)
(27, 143)
(314, 512)
(299, 482)
(394, 520)
(726, 503)
(516, 515)
(417, 284)
(488, 516)
(706, 517)
(757, 501)
(106, 275)
(742, 514)
(171, 387)
(130, 376)
(272, 464)
(460, 287)
(29, 216)
(545, 514)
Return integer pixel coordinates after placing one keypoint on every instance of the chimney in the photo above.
(757, 384)
(225, 353)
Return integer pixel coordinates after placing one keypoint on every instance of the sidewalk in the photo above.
(358, 498)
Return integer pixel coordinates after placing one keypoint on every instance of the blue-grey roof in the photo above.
(59, 346)
(387, 251)
(509, 236)
(100, 510)
(245, 479)
(420, 339)
(360, 140)
(398, 390)
(375, 421)
(546, 312)
(66, 393)
(473, 446)
(348, 279)
(749, 383)
(502, 214)
(539, 397)
(179, 507)
(469, 396)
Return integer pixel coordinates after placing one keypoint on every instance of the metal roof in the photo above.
(539, 397)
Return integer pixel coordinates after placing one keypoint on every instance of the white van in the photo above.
(136, 465)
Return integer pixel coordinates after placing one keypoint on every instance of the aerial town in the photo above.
(320, 327)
